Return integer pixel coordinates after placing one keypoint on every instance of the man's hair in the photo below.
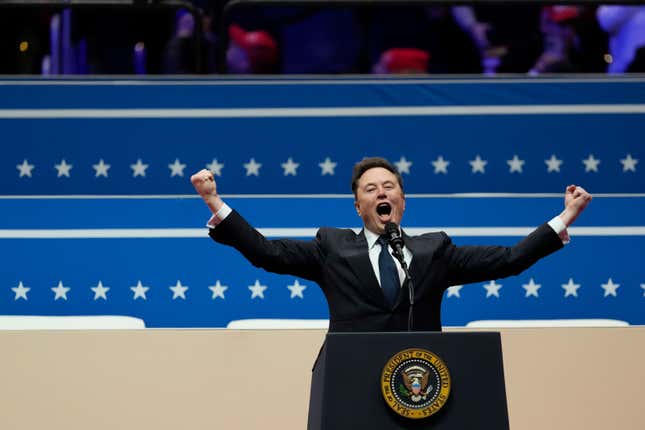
(368, 163)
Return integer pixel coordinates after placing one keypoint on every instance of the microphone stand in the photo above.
(399, 256)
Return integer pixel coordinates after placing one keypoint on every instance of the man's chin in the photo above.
(377, 224)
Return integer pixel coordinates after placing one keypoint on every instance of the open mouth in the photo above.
(383, 209)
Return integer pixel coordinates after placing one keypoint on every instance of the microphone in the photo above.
(395, 240)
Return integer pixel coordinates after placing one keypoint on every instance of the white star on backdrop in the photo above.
(327, 167)
(100, 292)
(252, 167)
(531, 288)
(643, 287)
(515, 165)
(25, 168)
(290, 167)
(403, 165)
(178, 290)
(553, 164)
(63, 169)
(297, 289)
(218, 290)
(478, 165)
(610, 288)
(492, 289)
(138, 169)
(570, 288)
(177, 168)
(454, 291)
(139, 291)
(591, 163)
(215, 167)
(257, 290)
(61, 291)
(101, 169)
(21, 291)
(629, 163)
(440, 165)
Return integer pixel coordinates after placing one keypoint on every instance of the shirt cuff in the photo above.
(560, 229)
(218, 217)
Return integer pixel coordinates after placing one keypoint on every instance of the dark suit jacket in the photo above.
(338, 261)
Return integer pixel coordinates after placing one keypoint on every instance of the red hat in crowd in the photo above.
(405, 60)
(562, 13)
(259, 45)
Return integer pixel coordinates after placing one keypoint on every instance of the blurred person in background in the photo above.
(251, 52)
(626, 28)
(312, 39)
(507, 37)
(572, 41)
(397, 39)
(451, 49)
(403, 61)
(414, 39)
(557, 24)
(180, 51)
(320, 40)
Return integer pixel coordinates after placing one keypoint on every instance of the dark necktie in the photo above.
(388, 272)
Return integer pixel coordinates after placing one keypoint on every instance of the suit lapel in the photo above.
(359, 261)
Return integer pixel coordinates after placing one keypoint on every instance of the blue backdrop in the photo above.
(97, 204)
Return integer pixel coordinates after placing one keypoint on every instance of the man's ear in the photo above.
(357, 207)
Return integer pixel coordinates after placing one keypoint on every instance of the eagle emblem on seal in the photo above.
(415, 385)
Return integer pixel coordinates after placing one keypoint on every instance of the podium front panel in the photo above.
(346, 384)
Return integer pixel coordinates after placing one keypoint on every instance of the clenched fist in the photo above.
(205, 185)
(576, 200)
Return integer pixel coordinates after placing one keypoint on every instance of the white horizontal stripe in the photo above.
(302, 196)
(145, 233)
(322, 112)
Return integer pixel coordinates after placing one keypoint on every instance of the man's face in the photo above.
(379, 199)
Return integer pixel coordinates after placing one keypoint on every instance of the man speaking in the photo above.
(371, 278)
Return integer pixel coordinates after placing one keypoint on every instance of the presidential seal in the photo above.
(415, 383)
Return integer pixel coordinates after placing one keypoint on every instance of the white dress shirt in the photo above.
(375, 250)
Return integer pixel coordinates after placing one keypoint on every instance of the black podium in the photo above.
(346, 382)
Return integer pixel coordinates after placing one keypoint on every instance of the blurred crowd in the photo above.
(487, 38)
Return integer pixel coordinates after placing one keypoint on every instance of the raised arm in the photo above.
(467, 264)
(285, 256)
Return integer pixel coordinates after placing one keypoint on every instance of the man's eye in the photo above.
(369, 189)
(389, 186)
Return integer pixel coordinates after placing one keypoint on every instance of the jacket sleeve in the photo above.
(468, 264)
(284, 256)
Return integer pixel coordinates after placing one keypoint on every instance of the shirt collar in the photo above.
(371, 237)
